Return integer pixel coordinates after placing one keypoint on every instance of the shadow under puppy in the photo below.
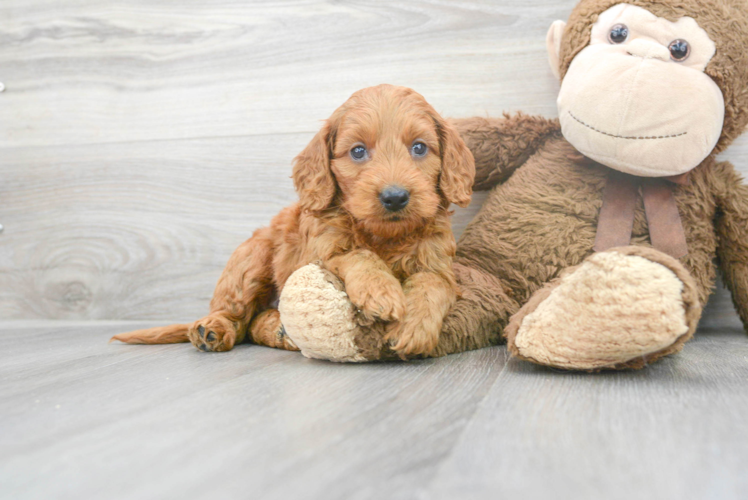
(374, 185)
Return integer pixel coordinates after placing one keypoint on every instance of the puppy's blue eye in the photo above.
(419, 149)
(359, 153)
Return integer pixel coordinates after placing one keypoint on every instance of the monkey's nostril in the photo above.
(394, 198)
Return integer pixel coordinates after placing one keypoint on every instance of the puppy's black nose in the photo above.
(394, 198)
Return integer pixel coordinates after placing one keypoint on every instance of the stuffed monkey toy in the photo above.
(600, 240)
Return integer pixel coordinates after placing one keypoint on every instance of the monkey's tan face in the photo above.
(637, 98)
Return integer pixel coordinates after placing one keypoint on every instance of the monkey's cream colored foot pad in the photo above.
(320, 319)
(612, 309)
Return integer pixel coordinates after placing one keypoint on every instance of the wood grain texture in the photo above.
(674, 430)
(81, 418)
(95, 71)
(85, 419)
(142, 141)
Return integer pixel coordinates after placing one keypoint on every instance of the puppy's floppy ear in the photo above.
(312, 176)
(458, 164)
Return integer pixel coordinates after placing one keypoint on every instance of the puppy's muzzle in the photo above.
(394, 198)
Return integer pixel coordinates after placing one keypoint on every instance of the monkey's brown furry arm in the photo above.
(732, 233)
(500, 145)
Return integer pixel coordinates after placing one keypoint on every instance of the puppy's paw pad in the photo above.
(212, 334)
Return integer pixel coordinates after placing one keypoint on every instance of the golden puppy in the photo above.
(374, 189)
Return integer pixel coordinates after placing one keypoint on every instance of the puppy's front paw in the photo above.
(377, 296)
(213, 333)
(412, 337)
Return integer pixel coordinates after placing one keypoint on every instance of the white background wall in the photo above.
(141, 141)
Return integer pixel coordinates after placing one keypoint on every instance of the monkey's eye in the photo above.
(618, 33)
(419, 149)
(359, 153)
(679, 50)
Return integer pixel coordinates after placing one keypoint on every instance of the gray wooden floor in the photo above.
(85, 419)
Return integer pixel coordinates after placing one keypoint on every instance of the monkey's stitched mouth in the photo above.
(633, 137)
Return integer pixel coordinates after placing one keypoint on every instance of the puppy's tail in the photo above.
(172, 334)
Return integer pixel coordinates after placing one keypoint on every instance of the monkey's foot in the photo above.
(322, 322)
(619, 309)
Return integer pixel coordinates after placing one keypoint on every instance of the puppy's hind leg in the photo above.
(245, 286)
(266, 329)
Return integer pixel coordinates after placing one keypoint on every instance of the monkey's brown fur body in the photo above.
(541, 218)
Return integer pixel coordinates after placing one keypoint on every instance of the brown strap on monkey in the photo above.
(616, 219)
(665, 226)
(617, 214)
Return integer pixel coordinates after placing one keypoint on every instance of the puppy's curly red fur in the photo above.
(396, 265)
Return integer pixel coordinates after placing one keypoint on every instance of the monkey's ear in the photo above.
(553, 44)
(312, 176)
(458, 165)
